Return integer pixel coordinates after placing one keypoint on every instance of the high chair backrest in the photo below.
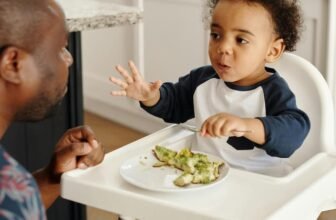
(314, 98)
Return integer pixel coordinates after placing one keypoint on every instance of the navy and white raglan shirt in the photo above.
(201, 94)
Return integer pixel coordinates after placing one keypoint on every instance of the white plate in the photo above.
(140, 172)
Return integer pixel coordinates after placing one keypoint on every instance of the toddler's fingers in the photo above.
(209, 125)
(137, 77)
(204, 130)
(238, 133)
(156, 85)
(226, 133)
(217, 127)
(204, 133)
(231, 130)
(119, 93)
(118, 82)
(226, 130)
(124, 73)
(210, 131)
(135, 72)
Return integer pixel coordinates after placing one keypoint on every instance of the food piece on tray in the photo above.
(184, 179)
(186, 160)
(196, 167)
(159, 164)
(206, 172)
(164, 155)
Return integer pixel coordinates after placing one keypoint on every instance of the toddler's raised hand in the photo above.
(134, 86)
(223, 124)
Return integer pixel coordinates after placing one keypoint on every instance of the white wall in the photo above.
(175, 42)
(331, 65)
(313, 46)
(170, 51)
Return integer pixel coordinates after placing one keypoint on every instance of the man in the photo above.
(34, 65)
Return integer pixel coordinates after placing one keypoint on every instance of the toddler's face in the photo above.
(242, 39)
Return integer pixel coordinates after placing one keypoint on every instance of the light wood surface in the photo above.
(111, 134)
(328, 215)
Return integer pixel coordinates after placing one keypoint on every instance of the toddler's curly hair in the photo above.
(286, 16)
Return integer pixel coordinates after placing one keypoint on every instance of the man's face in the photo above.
(48, 66)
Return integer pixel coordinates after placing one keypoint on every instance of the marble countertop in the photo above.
(96, 14)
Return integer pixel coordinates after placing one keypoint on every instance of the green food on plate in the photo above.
(196, 167)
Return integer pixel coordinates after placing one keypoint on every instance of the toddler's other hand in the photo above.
(133, 85)
(223, 124)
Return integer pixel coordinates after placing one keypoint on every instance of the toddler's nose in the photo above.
(225, 48)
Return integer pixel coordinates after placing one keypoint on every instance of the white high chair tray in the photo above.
(242, 195)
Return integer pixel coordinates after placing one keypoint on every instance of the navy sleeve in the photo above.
(176, 103)
(286, 126)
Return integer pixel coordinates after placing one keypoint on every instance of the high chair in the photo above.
(242, 195)
(314, 98)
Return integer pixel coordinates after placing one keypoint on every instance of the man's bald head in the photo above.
(23, 22)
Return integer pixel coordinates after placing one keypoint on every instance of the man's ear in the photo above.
(11, 64)
(276, 49)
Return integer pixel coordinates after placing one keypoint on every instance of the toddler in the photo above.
(246, 112)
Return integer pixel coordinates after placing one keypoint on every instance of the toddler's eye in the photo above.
(214, 36)
(241, 40)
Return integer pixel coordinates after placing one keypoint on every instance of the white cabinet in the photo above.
(175, 42)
